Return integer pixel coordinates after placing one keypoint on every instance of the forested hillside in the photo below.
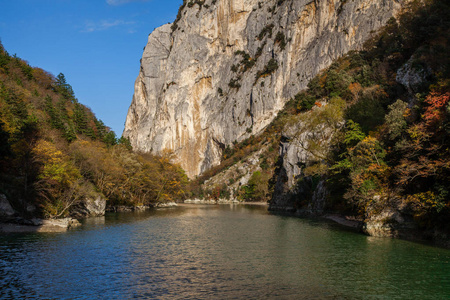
(393, 149)
(55, 154)
(372, 132)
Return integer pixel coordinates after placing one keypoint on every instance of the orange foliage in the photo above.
(355, 88)
(437, 102)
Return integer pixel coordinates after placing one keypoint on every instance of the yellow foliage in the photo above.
(323, 80)
(55, 165)
(424, 200)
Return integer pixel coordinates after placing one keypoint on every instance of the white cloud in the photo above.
(119, 2)
(105, 25)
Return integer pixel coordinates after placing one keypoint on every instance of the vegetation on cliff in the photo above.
(394, 149)
(389, 106)
(55, 153)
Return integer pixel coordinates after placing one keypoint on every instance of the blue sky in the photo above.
(97, 44)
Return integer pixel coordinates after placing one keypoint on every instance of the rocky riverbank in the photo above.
(388, 224)
(125, 208)
(40, 225)
(211, 201)
(221, 201)
(13, 221)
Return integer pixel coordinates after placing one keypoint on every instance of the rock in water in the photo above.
(225, 69)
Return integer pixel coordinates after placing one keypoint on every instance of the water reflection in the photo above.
(217, 252)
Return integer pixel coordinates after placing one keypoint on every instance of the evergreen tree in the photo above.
(55, 120)
(62, 87)
(110, 139)
(101, 128)
(80, 119)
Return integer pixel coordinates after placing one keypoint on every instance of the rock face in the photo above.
(412, 77)
(240, 173)
(304, 147)
(90, 207)
(195, 93)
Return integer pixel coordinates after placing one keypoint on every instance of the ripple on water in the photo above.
(217, 252)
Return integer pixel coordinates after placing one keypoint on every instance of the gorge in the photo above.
(229, 82)
(224, 69)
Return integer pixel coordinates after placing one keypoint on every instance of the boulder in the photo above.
(89, 207)
(6, 210)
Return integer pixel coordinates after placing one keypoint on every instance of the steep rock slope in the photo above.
(224, 69)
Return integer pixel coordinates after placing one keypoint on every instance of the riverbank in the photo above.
(222, 201)
(124, 208)
(380, 228)
(41, 226)
(344, 221)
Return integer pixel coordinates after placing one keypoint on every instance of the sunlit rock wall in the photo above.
(183, 101)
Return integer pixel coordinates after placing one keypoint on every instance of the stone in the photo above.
(413, 77)
(37, 222)
(296, 156)
(390, 222)
(58, 225)
(42, 226)
(6, 210)
(89, 207)
(188, 100)
(31, 209)
(165, 205)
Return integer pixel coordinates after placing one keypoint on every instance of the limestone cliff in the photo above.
(225, 69)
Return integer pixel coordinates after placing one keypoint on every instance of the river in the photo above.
(217, 252)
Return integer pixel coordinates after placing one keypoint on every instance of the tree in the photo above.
(58, 180)
(126, 142)
(62, 87)
(395, 120)
(110, 138)
(256, 188)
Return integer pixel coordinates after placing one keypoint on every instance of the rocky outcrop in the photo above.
(211, 201)
(38, 225)
(388, 223)
(165, 204)
(6, 210)
(300, 186)
(413, 76)
(89, 207)
(229, 66)
(238, 174)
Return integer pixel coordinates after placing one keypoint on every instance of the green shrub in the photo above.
(267, 30)
(281, 40)
(272, 66)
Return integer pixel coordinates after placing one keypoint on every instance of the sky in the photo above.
(96, 44)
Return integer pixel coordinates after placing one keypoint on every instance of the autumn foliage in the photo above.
(54, 152)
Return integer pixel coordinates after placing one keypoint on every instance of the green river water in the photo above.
(217, 252)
